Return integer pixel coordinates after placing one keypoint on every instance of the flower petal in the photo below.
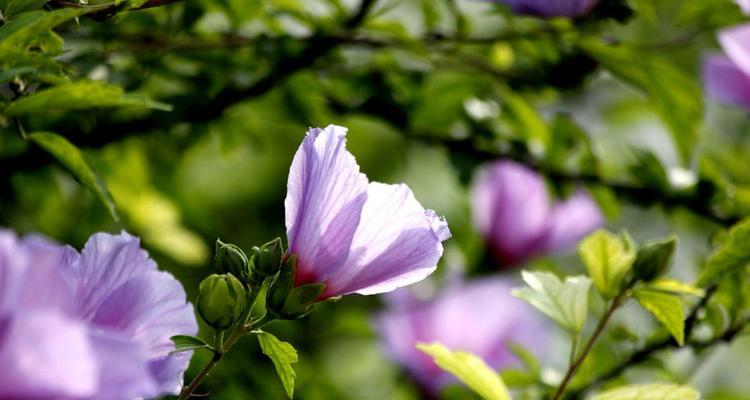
(30, 274)
(38, 364)
(551, 8)
(396, 243)
(736, 44)
(496, 319)
(571, 220)
(124, 372)
(325, 196)
(725, 82)
(169, 370)
(510, 207)
(744, 5)
(150, 308)
(106, 262)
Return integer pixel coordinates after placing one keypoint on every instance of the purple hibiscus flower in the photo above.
(94, 325)
(353, 235)
(550, 8)
(479, 316)
(513, 211)
(727, 77)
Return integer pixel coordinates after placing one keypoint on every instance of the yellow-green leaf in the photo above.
(674, 286)
(70, 157)
(469, 369)
(565, 302)
(653, 391)
(283, 355)
(667, 309)
(608, 258)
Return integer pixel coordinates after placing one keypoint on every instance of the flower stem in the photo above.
(221, 349)
(578, 361)
(222, 346)
(188, 391)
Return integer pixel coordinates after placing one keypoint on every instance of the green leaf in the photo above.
(186, 343)
(676, 97)
(11, 73)
(608, 259)
(14, 7)
(731, 256)
(528, 358)
(469, 369)
(646, 8)
(27, 28)
(667, 309)
(70, 157)
(283, 355)
(528, 122)
(565, 302)
(79, 95)
(654, 258)
(674, 286)
(653, 391)
(648, 170)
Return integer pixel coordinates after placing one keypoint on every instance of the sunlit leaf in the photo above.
(469, 369)
(283, 355)
(675, 286)
(667, 309)
(653, 391)
(607, 258)
(565, 302)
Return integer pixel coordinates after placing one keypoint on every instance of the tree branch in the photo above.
(102, 12)
(668, 342)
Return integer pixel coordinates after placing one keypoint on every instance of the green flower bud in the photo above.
(221, 300)
(266, 259)
(230, 259)
(284, 300)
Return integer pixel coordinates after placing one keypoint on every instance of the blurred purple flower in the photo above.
(744, 5)
(727, 77)
(94, 325)
(515, 214)
(353, 235)
(478, 316)
(550, 8)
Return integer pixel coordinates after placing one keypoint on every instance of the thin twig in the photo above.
(649, 350)
(573, 367)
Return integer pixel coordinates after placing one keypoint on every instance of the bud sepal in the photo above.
(284, 300)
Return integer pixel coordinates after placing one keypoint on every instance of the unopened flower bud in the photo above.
(221, 300)
(230, 259)
(266, 259)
